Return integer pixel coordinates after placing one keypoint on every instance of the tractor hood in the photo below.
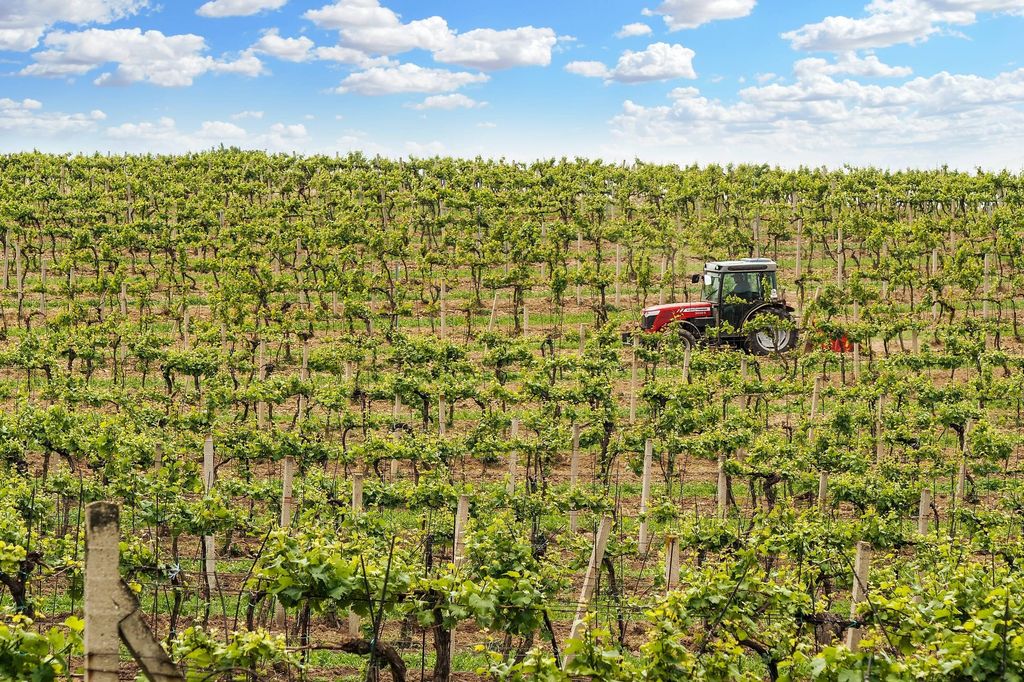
(657, 316)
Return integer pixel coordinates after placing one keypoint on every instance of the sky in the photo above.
(889, 83)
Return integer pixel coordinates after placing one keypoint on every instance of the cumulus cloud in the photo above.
(289, 49)
(164, 135)
(850, 63)
(659, 61)
(893, 22)
(680, 14)
(237, 8)
(633, 30)
(26, 116)
(455, 101)
(23, 22)
(247, 114)
(150, 57)
(488, 49)
(819, 119)
(406, 78)
(372, 29)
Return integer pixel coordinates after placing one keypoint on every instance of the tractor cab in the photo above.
(736, 287)
(733, 293)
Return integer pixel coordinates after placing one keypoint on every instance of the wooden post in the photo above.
(671, 562)
(840, 257)
(494, 312)
(643, 541)
(583, 339)
(823, 490)
(526, 320)
(513, 459)
(687, 353)
(461, 519)
(112, 610)
(618, 273)
(124, 298)
(185, 324)
(158, 455)
(357, 494)
(604, 530)
(42, 283)
(861, 568)
(442, 415)
(985, 286)
(287, 475)
(102, 574)
(879, 442)
(815, 397)
(856, 345)
(722, 487)
(579, 267)
(574, 471)
(923, 510)
(357, 509)
(632, 384)
(444, 310)
(261, 406)
(303, 377)
(209, 548)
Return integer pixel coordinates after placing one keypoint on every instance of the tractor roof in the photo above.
(742, 265)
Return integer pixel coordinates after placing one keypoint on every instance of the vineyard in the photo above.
(367, 419)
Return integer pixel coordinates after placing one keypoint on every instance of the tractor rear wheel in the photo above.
(687, 339)
(772, 339)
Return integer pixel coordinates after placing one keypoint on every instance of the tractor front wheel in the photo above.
(772, 339)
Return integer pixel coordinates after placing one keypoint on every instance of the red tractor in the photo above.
(734, 293)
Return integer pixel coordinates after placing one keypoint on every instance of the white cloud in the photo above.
(151, 57)
(237, 8)
(487, 49)
(487, 124)
(659, 61)
(220, 131)
(892, 22)
(454, 101)
(633, 30)
(164, 135)
(288, 49)
(365, 25)
(433, 148)
(680, 14)
(849, 63)
(369, 28)
(407, 78)
(246, 114)
(23, 22)
(952, 118)
(766, 77)
(26, 117)
(588, 69)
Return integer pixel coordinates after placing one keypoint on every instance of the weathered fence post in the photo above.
(604, 530)
(632, 383)
(923, 509)
(643, 541)
(671, 562)
(574, 471)
(461, 519)
(111, 609)
(861, 568)
(723, 492)
(209, 548)
(513, 458)
(102, 558)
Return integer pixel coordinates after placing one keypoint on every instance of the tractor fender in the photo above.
(754, 312)
(690, 327)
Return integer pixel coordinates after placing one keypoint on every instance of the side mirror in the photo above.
(694, 279)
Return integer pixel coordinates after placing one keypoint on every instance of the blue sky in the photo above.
(893, 83)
